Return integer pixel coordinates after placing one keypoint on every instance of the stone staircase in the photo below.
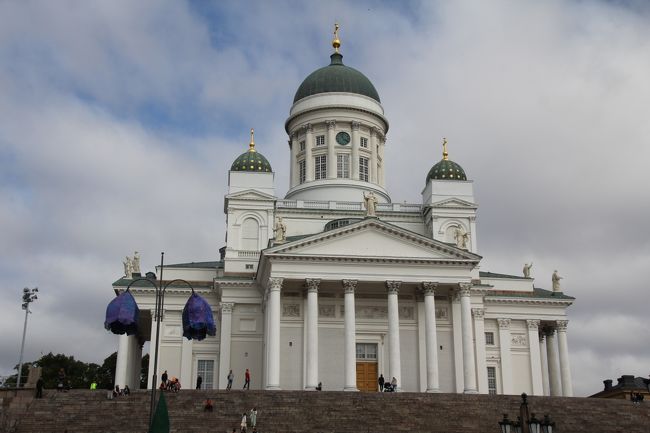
(297, 411)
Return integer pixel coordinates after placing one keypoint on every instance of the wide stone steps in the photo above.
(298, 411)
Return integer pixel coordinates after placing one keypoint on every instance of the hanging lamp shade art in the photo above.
(122, 315)
(198, 320)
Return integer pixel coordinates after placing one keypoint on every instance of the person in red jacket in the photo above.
(247, 380)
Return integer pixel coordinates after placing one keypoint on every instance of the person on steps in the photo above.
(247, 380)
(231, 377)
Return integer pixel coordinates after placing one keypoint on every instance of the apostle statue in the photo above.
(556, 281)
(461, 237)
(135, 263)
(527, 269)
(280, 230)
(128, 267)
(370, 203)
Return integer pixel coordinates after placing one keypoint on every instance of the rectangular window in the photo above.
(321, 167)
(367, 351)
(320, 140)
(489, 338)
(302, 171)
(205, 369)
(492, 380)
(363, 169)
(302, 145)
(364, 142)
(249, 266)
(343, 165)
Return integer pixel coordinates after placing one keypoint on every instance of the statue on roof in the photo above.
(128, 267)
(135, 263)
(527, 269)
(280, 230)
(461, 237)
(556, 281)
(370, 203)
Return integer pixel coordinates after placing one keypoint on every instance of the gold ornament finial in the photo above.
(445, 155)
(251, 145)
(336, 43)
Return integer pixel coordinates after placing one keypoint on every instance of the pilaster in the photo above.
(506, 355)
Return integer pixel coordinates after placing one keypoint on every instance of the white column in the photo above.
(309, 159)
(479, 337)
(350, 336)
(565, 368)
(469, 375)
(506, 356)
(535, 358)
(542, 356)
(275, 285)
(354, 161)
(122, 363)
(394, 358)
(373, 160)
(552, 360)
(137, 364)
(433, 381)
(381, 178)
(186, 364)
(458, 341)
(331, 154)
(152, 354)
(224, 345)
(312, 333)
(293, 164)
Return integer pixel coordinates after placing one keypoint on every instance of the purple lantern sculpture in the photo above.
(122, 315)
(198, 320)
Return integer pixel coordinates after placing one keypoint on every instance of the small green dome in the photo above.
(251, 160)
(446, 170)
(336, 77)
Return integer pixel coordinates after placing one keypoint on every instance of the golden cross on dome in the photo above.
(445, 155)
(251, 145)
(336, 43)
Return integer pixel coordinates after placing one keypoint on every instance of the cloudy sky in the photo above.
(119, 121)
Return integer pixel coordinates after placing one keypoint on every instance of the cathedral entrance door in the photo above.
(367, 367)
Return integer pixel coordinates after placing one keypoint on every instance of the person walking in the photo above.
(252, 415)
(199, 381)
(247, 380)
(39, 388)
(164, 378)
(242, 427)
(231, 377)
(381, 381)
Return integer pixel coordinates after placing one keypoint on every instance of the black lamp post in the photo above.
(526, 423)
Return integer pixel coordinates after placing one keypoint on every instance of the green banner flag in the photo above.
(160, 422)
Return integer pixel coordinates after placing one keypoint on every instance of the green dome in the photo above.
(251, 161)
(446, 170)
(336, 78)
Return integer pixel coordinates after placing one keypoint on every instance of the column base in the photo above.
(433, 390)
(310, 388)
(351, 389)
(273, 388)
(470, 391)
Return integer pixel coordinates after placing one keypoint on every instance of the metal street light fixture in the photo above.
(29, 296)
(526, 423)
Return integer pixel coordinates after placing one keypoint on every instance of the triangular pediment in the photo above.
(454, 203)
(250, 194)
(373, 239)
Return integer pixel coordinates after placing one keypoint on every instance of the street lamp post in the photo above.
(526, 422)
(29, 296)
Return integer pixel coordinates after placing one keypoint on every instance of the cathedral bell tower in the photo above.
(337, 133)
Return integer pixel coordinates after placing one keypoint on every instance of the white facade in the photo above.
(344, 296)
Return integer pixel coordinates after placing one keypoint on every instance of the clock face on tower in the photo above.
(343, 138)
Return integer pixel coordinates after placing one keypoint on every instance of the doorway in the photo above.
(367, 367)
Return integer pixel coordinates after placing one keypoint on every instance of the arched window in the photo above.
(250, 234)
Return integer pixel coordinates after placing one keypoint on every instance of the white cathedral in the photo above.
(336, 284)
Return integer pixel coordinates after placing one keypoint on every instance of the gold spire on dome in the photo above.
(445, 155)
(336, 43)
(251, 145)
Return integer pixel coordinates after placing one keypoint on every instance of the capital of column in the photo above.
(373, 132)
(464, 289)
(429, 288)
(533, 324)
(226, 307)
(331, 124)
(275, 284)
(561, 325)
(307, 127)
(349, 286)
(393, 286)
(548, 331)
(504, 323)
(478, 313)
(355, 126)
(312, 285)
